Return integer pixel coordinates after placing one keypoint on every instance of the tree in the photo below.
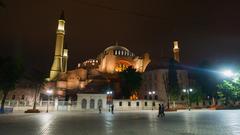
(37, 82)
(2, 4)
(173, 91)
(130, 81)
(229, 90)
(197, 94)
(10, 72)
(207, 79)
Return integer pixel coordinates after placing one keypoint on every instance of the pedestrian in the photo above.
(159, 110)
(162, 111)
(100, 109)
(112, 108)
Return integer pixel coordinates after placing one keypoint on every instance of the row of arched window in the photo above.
(123, 53)
(150, 97)
(92, 103)
(137, 103)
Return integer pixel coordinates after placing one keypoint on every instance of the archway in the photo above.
(92, 104)
(122, 65)
(84, 104)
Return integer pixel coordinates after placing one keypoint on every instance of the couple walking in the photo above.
(161, 110)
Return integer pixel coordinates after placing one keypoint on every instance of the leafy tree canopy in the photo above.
(130, 81)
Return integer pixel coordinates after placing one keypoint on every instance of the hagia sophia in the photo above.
(96, 75)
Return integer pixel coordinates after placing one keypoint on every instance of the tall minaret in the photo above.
(176, 51)
(65, 59)
(57, 65)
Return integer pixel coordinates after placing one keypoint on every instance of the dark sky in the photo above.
(205, 30)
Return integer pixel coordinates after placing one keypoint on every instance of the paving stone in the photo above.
(127, 123)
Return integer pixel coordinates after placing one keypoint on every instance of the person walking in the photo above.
(159, 110)
(162, 110)
(112, 108)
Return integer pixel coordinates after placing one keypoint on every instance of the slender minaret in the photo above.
(176, 51)
(57, 65)
(65, 59)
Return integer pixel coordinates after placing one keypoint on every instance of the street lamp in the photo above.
(188, 91)
(228, 73)
(152, 93)
(109, 95)
(49, 92)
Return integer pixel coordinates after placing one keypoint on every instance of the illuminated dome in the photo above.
(118, 50)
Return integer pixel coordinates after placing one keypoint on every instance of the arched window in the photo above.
(92, 103)
(129, 103)
(84, 104)
(119, 53)
(100, 103)
(120, 103)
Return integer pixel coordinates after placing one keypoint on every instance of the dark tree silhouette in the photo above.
(173, 87)
(207, 79)
(10, 72)
(37, 81)
(2, 4)
(130, 81)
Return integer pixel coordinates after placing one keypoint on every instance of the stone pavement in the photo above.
(124, 123)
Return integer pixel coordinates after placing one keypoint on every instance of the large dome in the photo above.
(117, 50)
(116, 47)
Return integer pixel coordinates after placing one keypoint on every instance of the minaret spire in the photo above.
(57, 66)
(62, 16)
(176, 51)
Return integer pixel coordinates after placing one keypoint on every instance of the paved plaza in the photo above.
(122, 123)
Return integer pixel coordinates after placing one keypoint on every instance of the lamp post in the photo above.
(188, 91)
(152, 93)
(109, 95)
(49, 92)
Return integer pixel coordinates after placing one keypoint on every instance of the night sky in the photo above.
(205, 30)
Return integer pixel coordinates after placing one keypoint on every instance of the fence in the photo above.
(91, 105)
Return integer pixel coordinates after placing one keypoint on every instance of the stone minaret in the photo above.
(176, 51)
(65, 59)
(57, 65)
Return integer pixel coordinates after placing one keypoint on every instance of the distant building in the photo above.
(155, 78)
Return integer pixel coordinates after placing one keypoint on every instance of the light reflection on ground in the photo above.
(131, 123)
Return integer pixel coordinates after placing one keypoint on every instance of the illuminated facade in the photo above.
(112, 60)
(92, 74)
